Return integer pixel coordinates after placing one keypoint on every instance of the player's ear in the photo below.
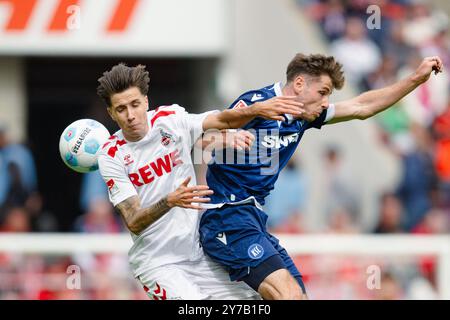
(109, 109)
(146, 102)
(298, 84)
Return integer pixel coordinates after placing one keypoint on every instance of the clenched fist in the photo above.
(428, 65)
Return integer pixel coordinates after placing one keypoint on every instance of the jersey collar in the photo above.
(277, 88)
(278, 92)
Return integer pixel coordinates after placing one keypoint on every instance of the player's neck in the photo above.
(137, 136)
(287, 90)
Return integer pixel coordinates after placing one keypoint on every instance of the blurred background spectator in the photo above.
(340, 187)
(418, 180)
(99, 218)
(357, 52)
(285, 204)
(391, 215)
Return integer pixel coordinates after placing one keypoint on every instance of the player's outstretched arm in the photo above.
(138, 219)
(221, 139)
(272, 109)
(372, 102)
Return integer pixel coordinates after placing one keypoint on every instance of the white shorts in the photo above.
(199, 280)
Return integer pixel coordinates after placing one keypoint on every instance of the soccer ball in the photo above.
(80, 144)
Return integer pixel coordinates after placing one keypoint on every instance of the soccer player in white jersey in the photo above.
(150, 176)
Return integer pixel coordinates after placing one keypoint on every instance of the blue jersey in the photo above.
(240, 176)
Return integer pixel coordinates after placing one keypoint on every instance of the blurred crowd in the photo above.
(54, 277)
(416, 131)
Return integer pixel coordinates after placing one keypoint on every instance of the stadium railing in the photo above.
(355, 245)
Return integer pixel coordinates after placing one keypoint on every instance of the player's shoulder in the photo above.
(111, 146)
(170, 115)
(167, 108)
(250, 97)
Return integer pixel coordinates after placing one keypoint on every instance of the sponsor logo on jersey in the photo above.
(255, 251)
(279, 141)
(155, 169)
(240, 104)
(166, 138)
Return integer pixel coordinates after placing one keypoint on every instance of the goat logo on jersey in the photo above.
(166, 138)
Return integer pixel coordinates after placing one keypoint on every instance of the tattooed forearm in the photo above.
(148, 216)
(137, 218)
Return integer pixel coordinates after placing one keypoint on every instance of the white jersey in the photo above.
(151, 168)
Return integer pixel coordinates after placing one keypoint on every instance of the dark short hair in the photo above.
(316, 65)
(120, 78)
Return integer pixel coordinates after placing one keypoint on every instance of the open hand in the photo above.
(185, 196)
(239, 139)
(275, 108)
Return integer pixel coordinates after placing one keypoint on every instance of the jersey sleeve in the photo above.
(330, 112)
(190, 124)
(194, 124)
(113, 173)
(244, 101)
(323, 118)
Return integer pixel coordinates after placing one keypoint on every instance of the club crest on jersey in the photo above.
(166, 138)
(255, 251)
(127, 159)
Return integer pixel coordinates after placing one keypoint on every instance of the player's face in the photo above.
(314, 93)
(129, 110)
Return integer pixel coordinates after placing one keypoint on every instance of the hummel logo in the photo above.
(256, 97)
(127, 159)
(222, 238)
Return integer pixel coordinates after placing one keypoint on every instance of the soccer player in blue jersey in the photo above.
(233, 231)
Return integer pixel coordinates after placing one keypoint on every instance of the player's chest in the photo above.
(278, 135)
(157, 158)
